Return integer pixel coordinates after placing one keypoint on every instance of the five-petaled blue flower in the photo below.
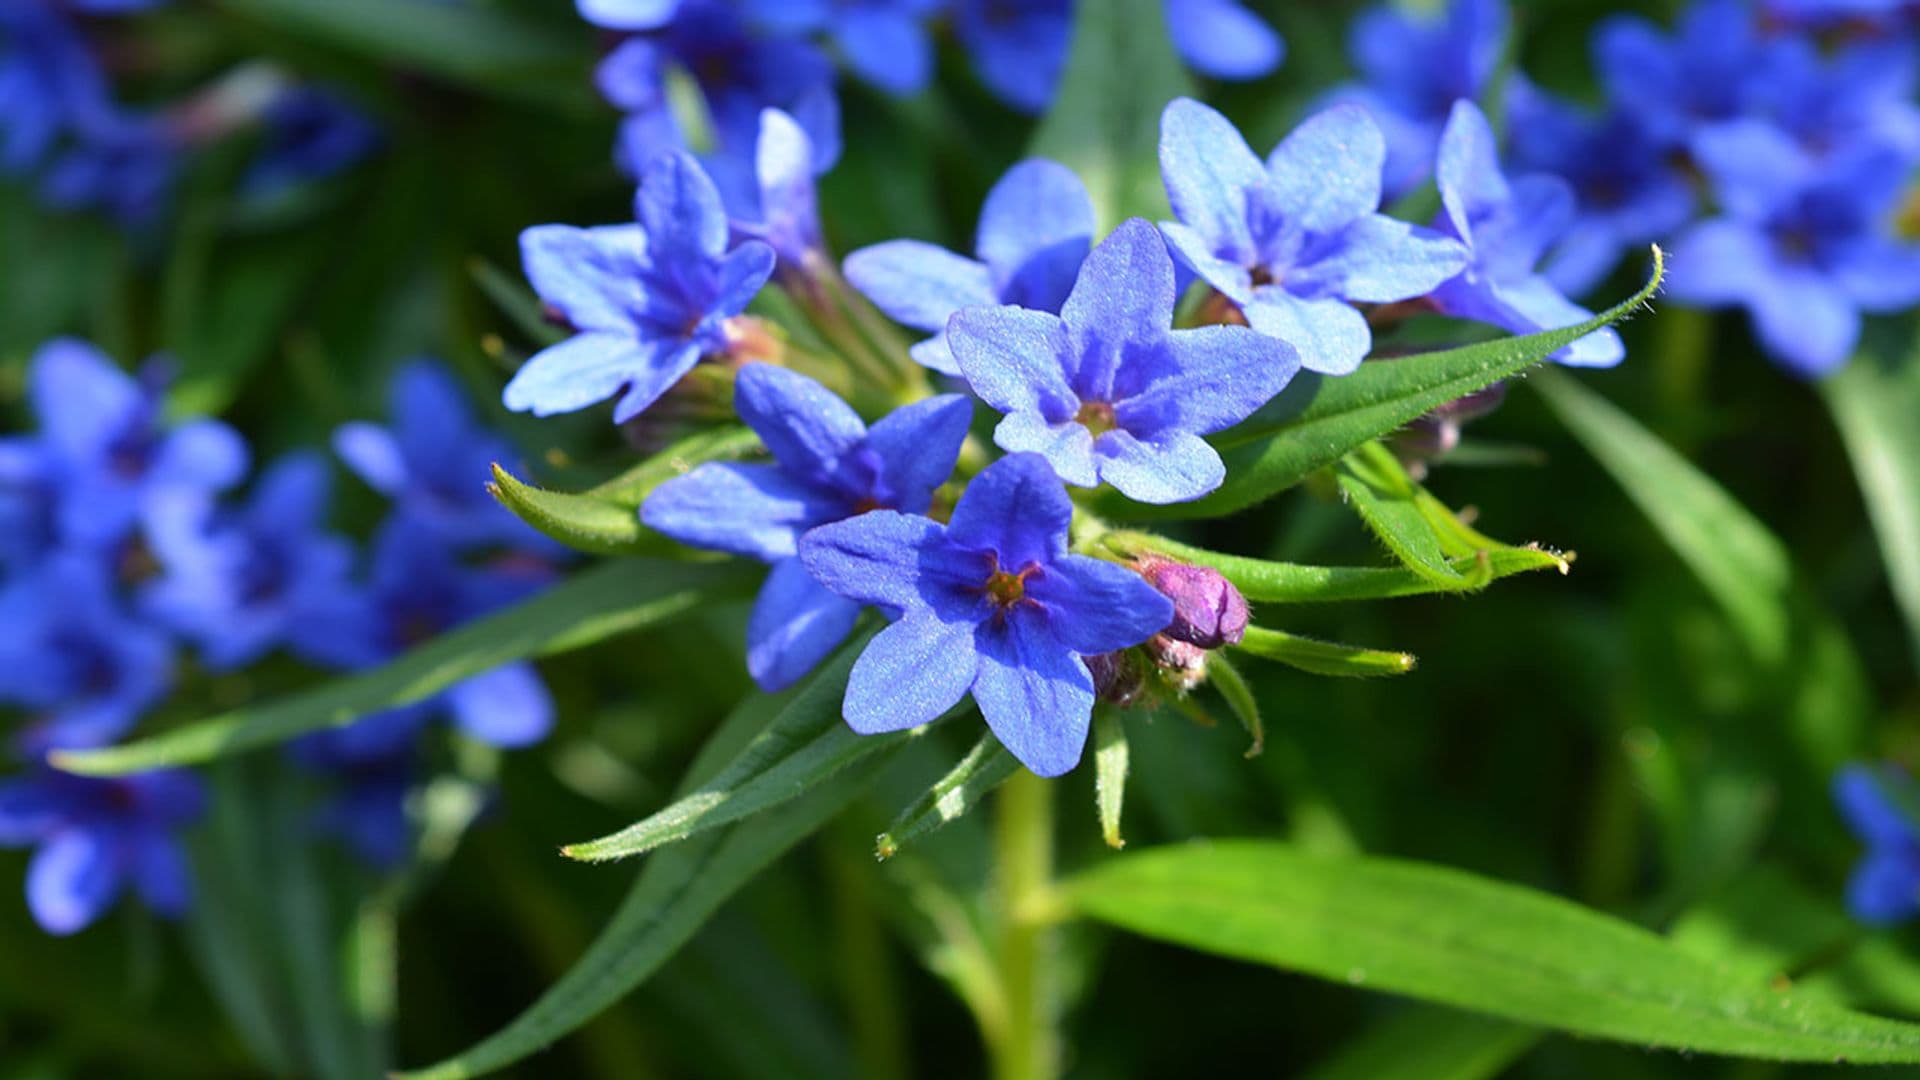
(885, 42)
(1885, 886)
(92, 838)
(1019, 47)
(1107, 390)
(433, 460)
(82, 669)
(1508, 226)
(1035, 229)
(1804, 247)
(1413, 67)
(647, 301)
(827, 466)
(1716, 66)
(239, 583)
(992, 604)
(1296, 241)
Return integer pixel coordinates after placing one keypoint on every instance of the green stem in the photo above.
(1028, 1047)
(868, 983)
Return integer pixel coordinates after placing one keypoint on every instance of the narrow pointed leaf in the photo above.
(1319, 419)
(613, 598)
(1324, 657)
(1876, 403)
(1445, 936)
(985, 767)
(1294, 583)
(1111, 757)
(1232, 685)
(1378, 489)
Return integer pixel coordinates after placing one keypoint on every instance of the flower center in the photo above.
(1097, 417)
(1006, 589)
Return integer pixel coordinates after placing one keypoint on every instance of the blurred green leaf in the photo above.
(1324, 657)
(1105, 120)
(985, 767)
(1876, 403)
(1429, 1043)
(679, 889)
(1318, 420)
(1460, 940)
(595, 604)
(800, 750)
(1111, 757)
(1233, 688)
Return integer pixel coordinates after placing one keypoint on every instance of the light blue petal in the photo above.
(1097, 607)
(1330, 337)
(1017, 508)
(1067, 445)
(806, 426)
(1034, 692)
(934, 355)
(1013, 358)
(1175, 466)
(629, 14)
(1217, 377)
(202, 454)
(507, 707)
(885, 47)
(1326, 174)
(1035, 227)
(743, 273)
(796, 623)
(1380, 260)
(583, 370)
(1468, 169)
(1123, 299)
(1209, 171)
(72, 879)
(919, 284)
(1229, 278)
(590, 276)
(1719, 262)
(680, 208)
(752, 510)
(1805, 320)
(373, 455)
(1534, 304)
(1222, 39)
(82, 399)
(910, 673)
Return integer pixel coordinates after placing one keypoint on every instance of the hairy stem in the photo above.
(1028, 1046)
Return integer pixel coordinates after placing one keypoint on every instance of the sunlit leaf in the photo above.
(985, 767)
(1294, 583)
(1324, 657)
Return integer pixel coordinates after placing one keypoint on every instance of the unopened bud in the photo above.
(1182, 665)
(1208, 611)
(1118, 677)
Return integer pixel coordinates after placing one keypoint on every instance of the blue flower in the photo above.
(1856, 99)
(373, 763)
(772, 198)
(1413, 67)
(46, 76)
(105, 450)
(647, 300)
(241, 582)
(83, 670)
(1885, 886)
(1035, 229)
(991, 604)
(885, 42)
(739, 74)
(1804, 247)
(827, 466)
(1715, 66)
(418, 591)
(433, 461)
(1019, 47)
(1223, 39)
(1295, 242)
(1508, 226)
(93, 838)
(310, 134)
(1629, 190)
(1107, 390)
(121, 162)
(629, 14)
(1878, 15)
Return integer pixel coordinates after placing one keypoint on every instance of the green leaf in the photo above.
(1875, 400)
(1428, 1043)
(1324, 657)
(1111, 757)
(1232, 685)
(678, 890)
(797, 752)
(1105, 120)
(1456, 939)
(1380, 491)
(985, 767)
(1293, 583)
(612, 598)
(1317, 420)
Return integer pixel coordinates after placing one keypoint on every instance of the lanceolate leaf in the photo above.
(1876, 402)
(1318, 419)
(1293, 583)
(1233, 687)
(985, 767)
(1380, 491)
(595, 604)
(603, 520)
(803, 747)
(678, 890)
(1111, 757)
(1324, 657)
(1472, 943)
(1105, 121)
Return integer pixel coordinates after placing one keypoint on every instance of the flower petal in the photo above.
(1035, 694)
(1016, 508)
(1884, 888)
(910, 673)
(1035, 229)
(888, 48)
(1215, 377)
(1096, 606)
(747, 509)
(1067, 445)
(1719, 262)
(807, 427)
(583, 370)
(80, 396)
(796, 623)
(373, 454)
(1805, 320)
(917, 446)
(506, 707)
(1326, 174)
(589, 276)
(1014, 358)
(71, 880)
(160, 873)
(628, 14)
(1533, 304)
(1222, 39)
(1229, 278)
(1123, 299)
(1328, 334)
(884, 557)
(1862, 795)
(1468, 169)
(917, 283)
(680, 208)
(1209, 171)
(1380, 260)
(202, 454)
(1173, 467)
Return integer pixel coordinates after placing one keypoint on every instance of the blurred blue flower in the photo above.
(739, 74)
(92, 838)
(647, 300)
(772, 197)
(1714, 67)
(418, 590)
(1019, 47)
(1851, 100)
(827, 466)
(1223, 39)
(1296, 241)
(83, 670)
(433, 461)
(1885, 886)
(46, 76)
(1107, 390)
(992, 604)
(310, 134)
(1878, 15)
(1035, 229)
(1629, 190)
(1508, 226)
(1805, 247)
(105, 450)
(373, 763)
(240, 582)
(1413, 67)
(629, 14)
(884, 42)
(117, 161)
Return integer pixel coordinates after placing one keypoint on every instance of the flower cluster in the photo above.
(63, 126)
(1879, 805)
(126, 548)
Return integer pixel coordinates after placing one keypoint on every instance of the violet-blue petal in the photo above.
(887, 47)
(628, 14)
(1215, 377)
(747, 509)
(1011, 357)
(1326, 173)
(1804, 319)
(1381, 260)
(1884, 889)
(583, 370)
(79, 395)
(680, 209)
(1880, 274)
(587, 275)
(1035, 226)
(917, 446)
(159, 870)
(1017, 508)
(1861, 794)
(372, 453)
(1329, 335)
(1096, 606)
(784, 166)
(1171, 467)
(1468, 169)
(1066, 444)
(910, 673)
(205, 454)
(1124, 295)
(668, 363)
(796, 623)
(881, 557)
(1209, 169)
(72, 879)
(1230, 278)
(917, 283)
(506, 707)
(1719, 262)
(1035, 694)
(743, 272)
(806, 427)
(1223, 39)
(1533, 304)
